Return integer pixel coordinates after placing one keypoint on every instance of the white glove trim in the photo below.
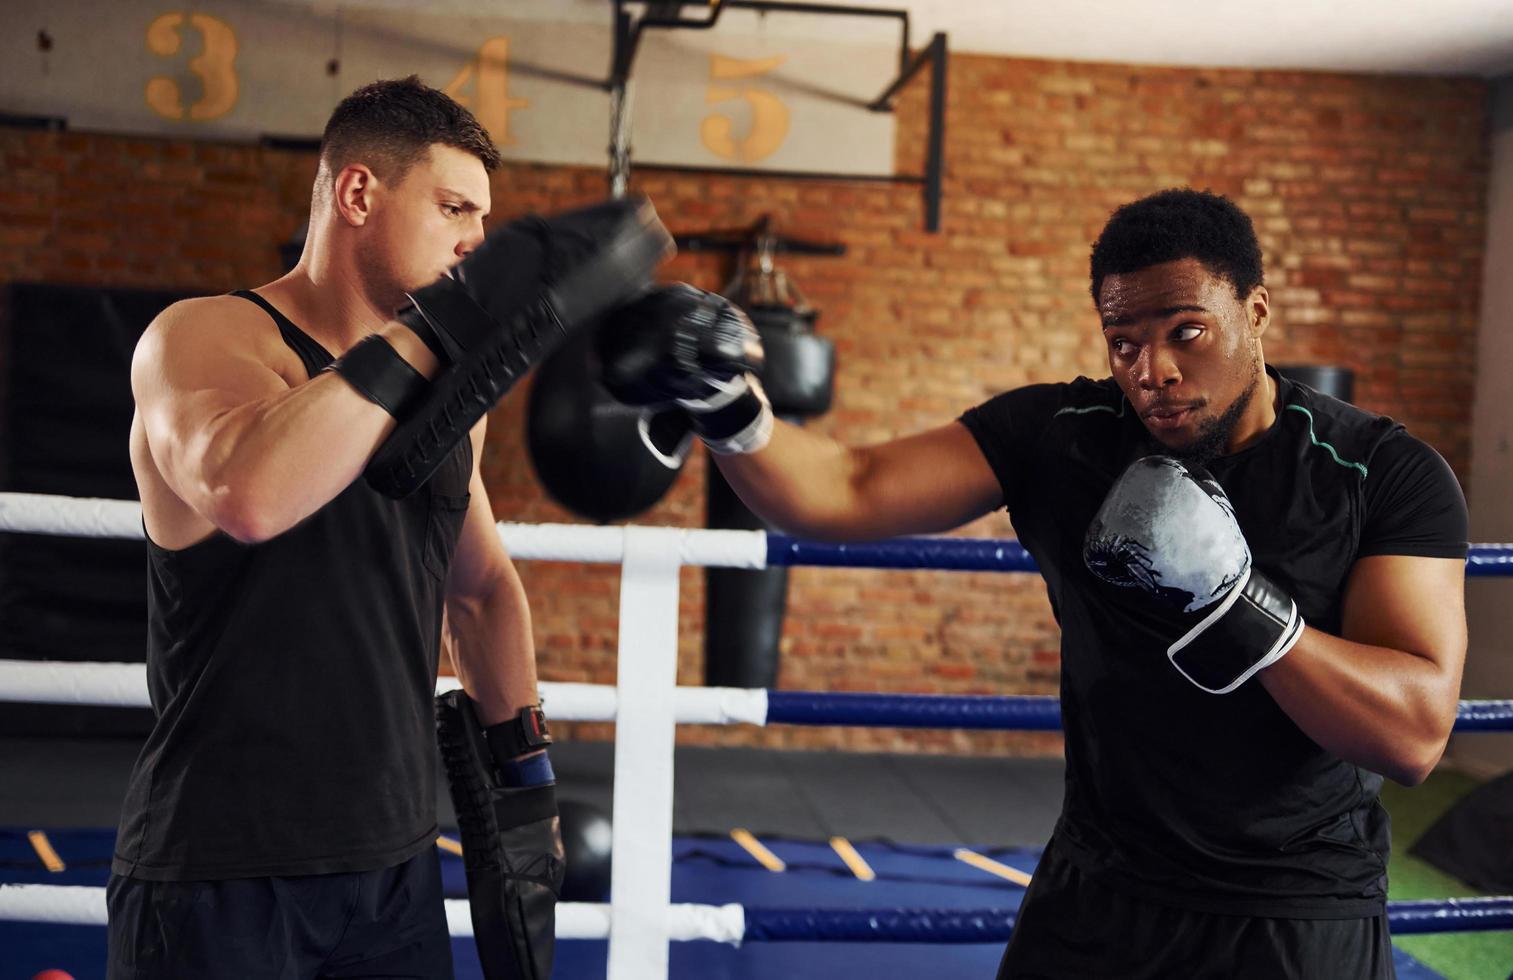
(1285, 642)
(672, 461)
(751, 439)
(725, 392)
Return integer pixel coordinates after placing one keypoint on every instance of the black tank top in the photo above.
(292, 682)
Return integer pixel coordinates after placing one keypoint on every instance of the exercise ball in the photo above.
(586, 837)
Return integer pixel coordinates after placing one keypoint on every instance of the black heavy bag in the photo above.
(1334, 381)
(744, 609)
(584, 444)
(798, 371)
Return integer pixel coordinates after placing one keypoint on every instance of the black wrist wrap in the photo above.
(380, 375)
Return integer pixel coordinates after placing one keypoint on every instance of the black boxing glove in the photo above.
(505, 307)
(1168, 529)
(687, 358)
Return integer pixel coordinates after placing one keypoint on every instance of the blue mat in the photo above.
(705, 870)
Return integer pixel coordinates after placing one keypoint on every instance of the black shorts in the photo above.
(1070, 927)
(387, 923)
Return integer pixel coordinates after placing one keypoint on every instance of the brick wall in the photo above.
(1367, 192)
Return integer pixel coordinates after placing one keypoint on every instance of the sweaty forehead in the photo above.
(1169, 285)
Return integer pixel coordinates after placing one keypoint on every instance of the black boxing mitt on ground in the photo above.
(1168, 529)
(510, 303)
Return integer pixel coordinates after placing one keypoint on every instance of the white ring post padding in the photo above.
(720, 706)
(125, 686)
(721, 923)
(563, 701)
(582, 543)
(640, 887)
(88, 517)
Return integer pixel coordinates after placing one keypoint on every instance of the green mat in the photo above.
(1456, 956)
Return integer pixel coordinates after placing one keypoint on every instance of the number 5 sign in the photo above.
(769, 116)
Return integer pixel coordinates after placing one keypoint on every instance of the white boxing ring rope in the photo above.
(640, 919)
(124, 685)
(37, 513)
(83, 905)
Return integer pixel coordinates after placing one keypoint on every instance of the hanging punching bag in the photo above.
(744, 610)
(584, 445)
(1326, 378)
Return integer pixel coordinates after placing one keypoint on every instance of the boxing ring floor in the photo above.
(793, 801)
(79, 783)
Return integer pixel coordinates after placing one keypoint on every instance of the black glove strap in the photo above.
(722, 423)
(422, 328)
(380, 375)
(449, 320)
(526, 805)
(1257, 629)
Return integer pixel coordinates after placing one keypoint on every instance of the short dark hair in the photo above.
(390, 125)
(1180, 223)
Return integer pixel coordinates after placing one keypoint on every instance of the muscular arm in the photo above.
(813, 486)
(1383, 695)
(244, 448)
(488, 618)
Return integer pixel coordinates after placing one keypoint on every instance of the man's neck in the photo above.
(327, 302)
(1261, 416)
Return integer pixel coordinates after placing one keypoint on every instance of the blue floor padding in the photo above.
(705, 870)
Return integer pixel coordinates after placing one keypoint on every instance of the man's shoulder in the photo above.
(223, 323)
(1080, 396)
(1085, 397)
(1036, 412)
(1336, 430)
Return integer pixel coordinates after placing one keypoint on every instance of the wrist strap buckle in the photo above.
(526, 732)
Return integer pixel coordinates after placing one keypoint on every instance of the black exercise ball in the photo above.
(586, 842)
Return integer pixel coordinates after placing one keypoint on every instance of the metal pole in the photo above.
(619, 139)
(936, 161)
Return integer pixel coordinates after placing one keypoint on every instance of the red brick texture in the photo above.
(1367, 192)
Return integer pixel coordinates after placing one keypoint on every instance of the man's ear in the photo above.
(1258, 311)
(352, 193)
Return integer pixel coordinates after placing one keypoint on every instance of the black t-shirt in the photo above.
(1203, 801)
(292, 682)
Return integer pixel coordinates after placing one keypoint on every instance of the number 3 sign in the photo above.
(214, 67)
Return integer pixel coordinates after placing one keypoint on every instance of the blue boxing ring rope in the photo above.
(994, 555)
(988, 711)
(640, 920)
(994, 925)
